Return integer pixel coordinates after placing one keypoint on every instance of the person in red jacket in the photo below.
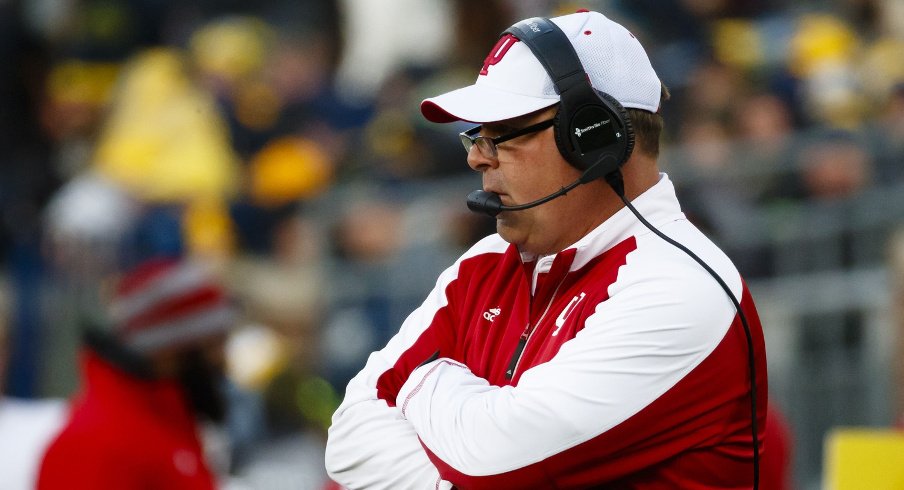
(146, 380)
(598, 339)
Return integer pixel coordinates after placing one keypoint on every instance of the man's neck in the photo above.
(640, 174)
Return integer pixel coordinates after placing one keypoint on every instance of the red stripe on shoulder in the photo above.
(439, 338)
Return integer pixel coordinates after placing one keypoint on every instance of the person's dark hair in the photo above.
(203, 384)
(102, 342)
(648, 127)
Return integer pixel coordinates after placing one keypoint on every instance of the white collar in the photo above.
(658, 205)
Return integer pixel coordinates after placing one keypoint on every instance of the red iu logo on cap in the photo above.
(502, 46)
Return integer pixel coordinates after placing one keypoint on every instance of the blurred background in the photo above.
(281, 142)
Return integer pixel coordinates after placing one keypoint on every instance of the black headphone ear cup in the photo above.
(626, 122)
(572, 119)
(561, 130)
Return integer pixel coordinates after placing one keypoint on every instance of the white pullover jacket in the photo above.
(616, 363)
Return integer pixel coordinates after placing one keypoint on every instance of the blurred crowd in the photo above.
(280, 142)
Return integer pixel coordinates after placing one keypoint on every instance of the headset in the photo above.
(593, 133)
(592, 129)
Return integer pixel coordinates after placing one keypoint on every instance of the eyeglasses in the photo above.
(487, 145)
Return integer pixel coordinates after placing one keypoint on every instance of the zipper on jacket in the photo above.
(522, 341)
(525, 336)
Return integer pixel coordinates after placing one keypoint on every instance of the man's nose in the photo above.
(477, 161)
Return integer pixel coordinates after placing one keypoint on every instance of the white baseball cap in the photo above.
(513, 83)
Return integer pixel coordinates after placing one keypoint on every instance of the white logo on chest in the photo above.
(491, 314)
(560, 320)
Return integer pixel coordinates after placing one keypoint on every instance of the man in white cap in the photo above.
(579, 347)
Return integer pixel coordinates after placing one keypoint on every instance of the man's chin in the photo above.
(506, 227)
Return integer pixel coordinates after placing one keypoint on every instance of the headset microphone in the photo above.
(481, 201)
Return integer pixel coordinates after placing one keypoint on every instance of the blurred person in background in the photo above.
(833, 165)
(889, 131)
(481, 388)
(27, 426)
(148, 381)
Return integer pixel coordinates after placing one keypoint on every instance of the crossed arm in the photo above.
(445, 420)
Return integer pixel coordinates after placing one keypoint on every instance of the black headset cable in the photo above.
(616, 181)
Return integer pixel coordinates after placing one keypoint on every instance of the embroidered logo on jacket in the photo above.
(567, 311)
(491, 314)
